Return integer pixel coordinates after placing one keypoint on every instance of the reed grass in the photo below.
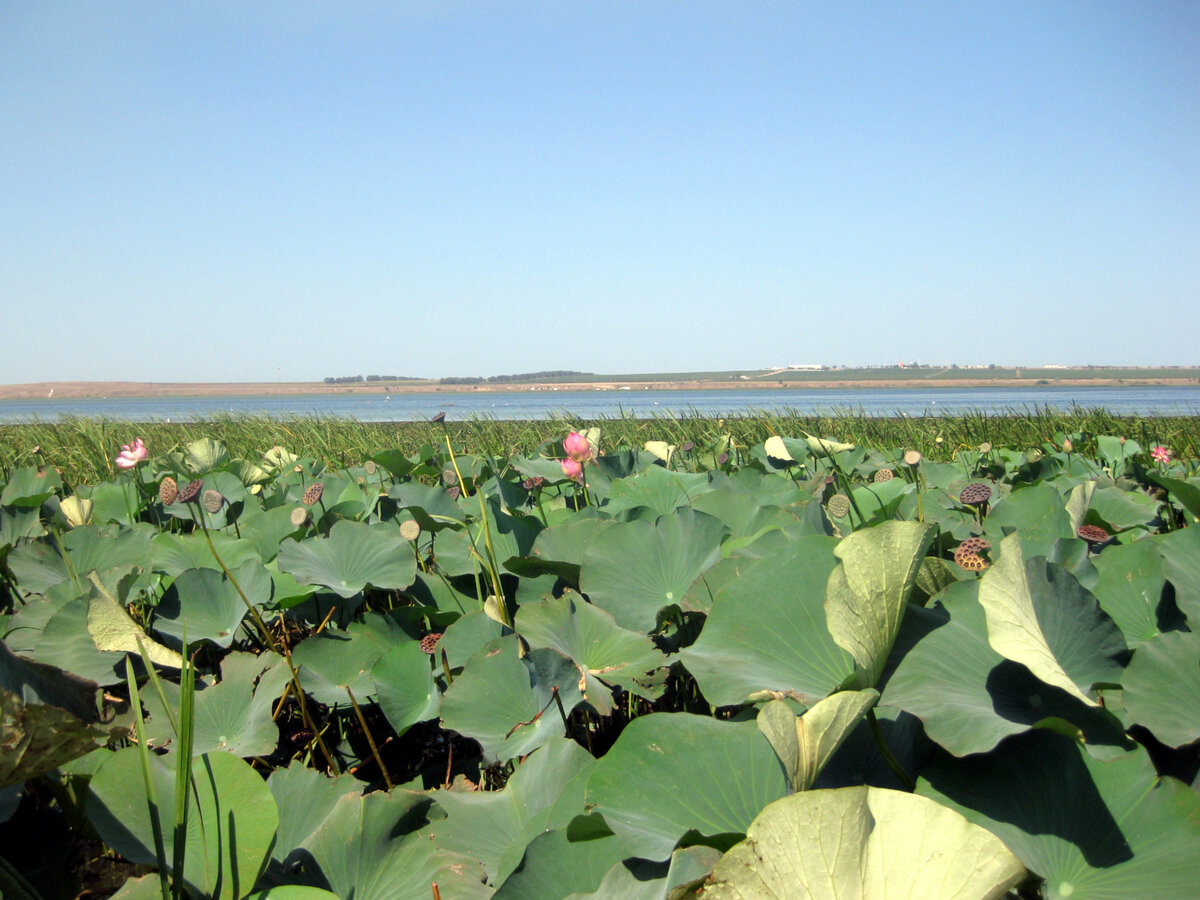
(82, 449)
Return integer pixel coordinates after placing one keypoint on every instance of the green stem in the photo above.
(139, 727)
(886, 753)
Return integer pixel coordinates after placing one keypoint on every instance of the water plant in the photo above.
(733, 667)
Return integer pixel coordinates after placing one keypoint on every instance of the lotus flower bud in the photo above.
(572, 469)
(578, 447)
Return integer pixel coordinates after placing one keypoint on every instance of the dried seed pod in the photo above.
(449, 476)
(430, 641)
(299, 516)
(191, 492)
(912, 457)
(971, 562)
(975, 494)
(974, 545)
(212, 501)
(838, 506)
(168, 491)
(722, 458)
(985, 447)
(533, 481)
(883, 475)
(1094, 534)
(370, 467)
(313, 494)
(410, 530)
(454, 491)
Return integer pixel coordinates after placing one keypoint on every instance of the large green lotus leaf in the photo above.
(1130, 587)
(39, 566)
(1181, 553)
(640, 879)
(878, 502)
(292, 892)
(230, 825)
(38, 684)
(373, 848)
(430, 505)
(657, 489)
(332, 661)
(404, 686)
(1121, 510)
(602, 651)
(858, 761)
(266, 529)
(30, 486)
(1162, 687)
(305, 798)
(555, 865)
(866, 596)
(440, 595)
(766, 631)
(66, 643)
(115, 501)
(176, 553)
(463, 639)
(745, 515)
(804, 744)
(506, 701)
(1185, 493)
(112, 628)
(460, 552)
(863, 843)
(235, 714)
(1092, 829)
(970, 697)
(204, 605)
(24, 630)
(1037, 513)
(634, 569)
(560, 549)
(204, 455)
(673, 773)
(1039, 615)
(493, 827)
(353, 556)
(18, 524)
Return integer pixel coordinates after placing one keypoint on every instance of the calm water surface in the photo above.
(380, 407)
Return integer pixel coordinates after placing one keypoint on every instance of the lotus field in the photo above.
(793, 668)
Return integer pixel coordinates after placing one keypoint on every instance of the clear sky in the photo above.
(292, 190)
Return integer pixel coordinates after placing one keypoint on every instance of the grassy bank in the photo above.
(83, 449)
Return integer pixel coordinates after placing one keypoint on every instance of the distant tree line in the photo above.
(356, 379)
(508, 379)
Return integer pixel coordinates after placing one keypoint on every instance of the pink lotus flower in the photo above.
(132, 454)
(578, 447)
(573, 469)
(1160, 454)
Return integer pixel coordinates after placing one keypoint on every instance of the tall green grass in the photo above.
(83, 448)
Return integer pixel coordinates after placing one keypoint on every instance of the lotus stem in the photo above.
(370, 739)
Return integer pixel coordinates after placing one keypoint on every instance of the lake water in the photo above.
(380, 407)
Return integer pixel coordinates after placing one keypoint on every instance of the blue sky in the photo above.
(290, 190)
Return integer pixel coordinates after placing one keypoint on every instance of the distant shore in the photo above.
(109, 389)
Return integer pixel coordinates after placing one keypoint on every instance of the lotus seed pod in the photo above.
(1094, 534)
(299, 516)
(883, 475)
(191, 492)
(212, 501)
(971, 562)
(370, 467)
(838, 506)
(168, 491)
(430, 641)
(975, 494)
(912, 457)
(985, 447)
(410, 530)
(313, 494)
(454, 491)
(449, 476)
(974, 545)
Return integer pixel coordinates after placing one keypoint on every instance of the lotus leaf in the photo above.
(671, 774)
(30, 486)
(1028, 604)
(766, 631)
(635, 569)
(353, 556)
(230, 826)
(864, 843)
(509, 702)
(1092, 829)
(804, 744)
(403, 685)
(205, 605)
(1162, 687)
(866, 596)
